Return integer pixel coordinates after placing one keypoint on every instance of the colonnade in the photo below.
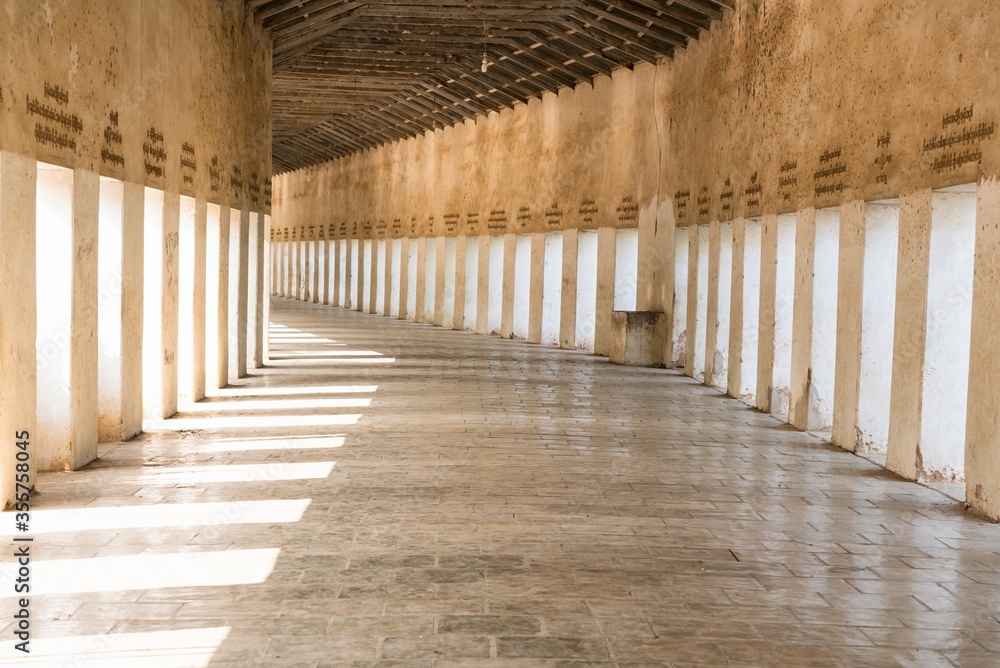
(872, 323)
(867, 323)
(131, 299)
(556, 288)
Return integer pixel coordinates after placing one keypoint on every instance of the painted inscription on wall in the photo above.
(451, 221)
(524, 217)
(215, 174)
(111, 149)
(958, 142)
(56, 126)
(726, 199)
(588, 211)
(829, 178)
(628, 211)
(497, 221)
(189, 164)
(788, 179)
(154, 153)
(472, 222)
(703, 202)
(553, 215)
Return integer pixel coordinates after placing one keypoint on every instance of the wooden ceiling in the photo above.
(351, 75)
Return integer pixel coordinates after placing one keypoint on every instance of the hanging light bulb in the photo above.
(486, 63)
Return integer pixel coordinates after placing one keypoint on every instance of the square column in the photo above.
(336, 247)
(421, 283)
(198, 318)
(243, 295)
(170, 301)
(262, 291)
(712, 317)
(982, 445)
(440, 276)
(814, 320)
(910, 332)
(387, 255)
(734, 381)
(132, 309)
(483, 286)
(877, 313)
(404, 277)
(67, 404)
(678, 326)
(536, 288)
(348, 273)
(268, 279)
(606, 255)
(222, 318)
(235, 306)
(317, 275)
(359, 298)
(18, 321)
(373, 258)
(458, 311)
(850, 282)
(328, 248)
(567, 305)
(508, 286)
(765, 341)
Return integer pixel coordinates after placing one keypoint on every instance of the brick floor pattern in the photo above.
(502, 504)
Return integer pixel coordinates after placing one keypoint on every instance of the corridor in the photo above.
(392, 493)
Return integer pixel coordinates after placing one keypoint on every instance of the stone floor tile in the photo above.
(484, 502)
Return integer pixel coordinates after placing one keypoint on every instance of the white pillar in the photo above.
(385, 305)
(567, 308)
(508, 285)
(586, 290)
(459, 297)
(679, 336)
(236, 296)
(734, 381)
(185, 301)
(18, 365)
(110, 316)
(814, 320)
(881, 241)
(850, 279)
(982, 454)
(421, 283)
(404, 279)
(396, 296)
(152, 338)
(213, 238)
(522, 285)
(720, 297)
(552, 288)
(945, 384)
(606, 255)
(536, 296)
(483, 286)
(440, 273)
(910, 333)
(199, 305)
(222, 318)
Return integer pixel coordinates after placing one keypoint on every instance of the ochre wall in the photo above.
(784, 104)
(174, 94)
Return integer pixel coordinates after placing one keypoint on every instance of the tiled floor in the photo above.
(396, 494)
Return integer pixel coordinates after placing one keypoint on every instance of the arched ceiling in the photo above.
(351, 75)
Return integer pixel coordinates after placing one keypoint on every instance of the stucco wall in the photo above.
(783, 104)
(174, 95)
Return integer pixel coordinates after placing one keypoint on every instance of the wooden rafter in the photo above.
(351, 75)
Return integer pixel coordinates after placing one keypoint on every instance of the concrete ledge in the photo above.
(637, 338)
